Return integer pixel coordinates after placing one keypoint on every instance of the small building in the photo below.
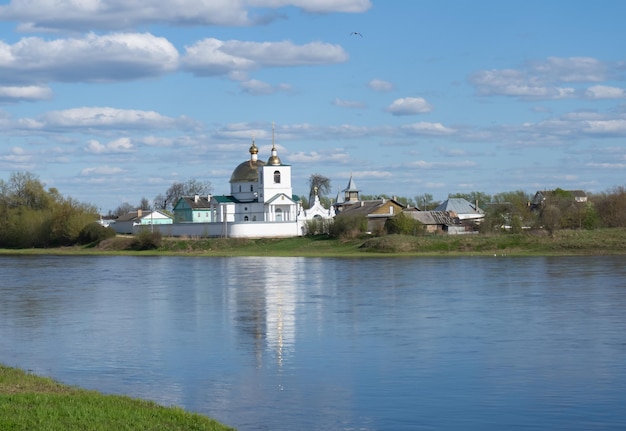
(436, 221)
(193, 209)
(347, 196)
(462, 209)
(543, 197)
(129, 222)
(376, 211)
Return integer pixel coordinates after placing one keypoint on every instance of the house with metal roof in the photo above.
(134, 220)
(462, 209)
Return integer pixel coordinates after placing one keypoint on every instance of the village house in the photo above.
(134, 220)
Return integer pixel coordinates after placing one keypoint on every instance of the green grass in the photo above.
(565, 242)
(29, 402)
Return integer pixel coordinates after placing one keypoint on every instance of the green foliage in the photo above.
(147, 239)
(317, 226)
(403, 225)
(35, 217)
(94, 233)
(348, 226)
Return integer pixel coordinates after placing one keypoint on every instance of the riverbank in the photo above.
(531, 243)
(29, 402)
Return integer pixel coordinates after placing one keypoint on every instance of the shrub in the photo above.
(403, 225)
(94, 233)
(146, 239)
(348, 226)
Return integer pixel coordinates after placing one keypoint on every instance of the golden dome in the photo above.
(247, 171)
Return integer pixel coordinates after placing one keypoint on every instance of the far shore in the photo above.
(532, 243)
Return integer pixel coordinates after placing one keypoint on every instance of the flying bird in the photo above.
(356, 33)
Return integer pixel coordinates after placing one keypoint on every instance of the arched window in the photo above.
(245, 218)
(251, 187)
(277, 177)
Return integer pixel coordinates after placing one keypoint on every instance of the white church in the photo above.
(261, 204)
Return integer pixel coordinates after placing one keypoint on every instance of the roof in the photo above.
(247, 171)
(351, 186)
(432, 217)
(367, 208)
(459, 206)
(196, 203)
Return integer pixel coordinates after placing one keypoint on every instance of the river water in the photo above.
(264, 343)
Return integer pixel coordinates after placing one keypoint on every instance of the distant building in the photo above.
(132, 221)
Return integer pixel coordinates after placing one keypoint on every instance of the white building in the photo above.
(260, 204)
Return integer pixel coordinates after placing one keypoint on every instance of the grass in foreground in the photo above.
(29, 402)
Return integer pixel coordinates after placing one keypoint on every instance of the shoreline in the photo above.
(601, 242)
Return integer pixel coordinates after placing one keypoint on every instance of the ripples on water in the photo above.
(332, 344)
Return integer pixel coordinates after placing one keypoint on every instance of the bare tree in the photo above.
(178, 190)
(318, 184)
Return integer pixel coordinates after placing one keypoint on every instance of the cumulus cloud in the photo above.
(101, 170)
(379, 85)
(409, 106)
(605, 92)
(256, 87)
(28, 93)
(348, 103)
(110, 118)
(548, 79)
(38, 15)
(92, 58)
(121, 145)
(424, 128)
(210, 57)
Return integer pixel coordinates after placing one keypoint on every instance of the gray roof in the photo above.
(432, 217)
(459, 206)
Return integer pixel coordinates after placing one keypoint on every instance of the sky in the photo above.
(114, 101)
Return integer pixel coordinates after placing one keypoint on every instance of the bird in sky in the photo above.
(355, 33)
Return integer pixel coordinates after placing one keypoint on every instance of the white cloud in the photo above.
(608, 127)
(121, 145)
(101, 170)
(92, 58)
(256, 87)
(379, 85)
(105, 117)
(424, 128)
(210, 56)
(605, 92)
(409, 106)
(37, 15)
(26, 93)
(545, 79)
(348, 103)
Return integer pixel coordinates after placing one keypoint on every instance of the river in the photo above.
(265, 343)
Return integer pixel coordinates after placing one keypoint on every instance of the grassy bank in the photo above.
(29, 402)
(561, 243)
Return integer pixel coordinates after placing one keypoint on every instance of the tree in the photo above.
(425, 202)
(178, 190)
(318, 184)
(145, 204)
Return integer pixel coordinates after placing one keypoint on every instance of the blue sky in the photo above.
(112, 101)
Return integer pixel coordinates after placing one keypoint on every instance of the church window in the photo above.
(239, 187)
(277, 177)
(251, 187)
(245, 218)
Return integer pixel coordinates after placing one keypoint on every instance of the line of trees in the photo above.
(33, 216)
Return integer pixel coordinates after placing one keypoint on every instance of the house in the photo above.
(436, 221)
(193, 209)
(376, 211)
(134, 220)
(544, 197)
(462, 209)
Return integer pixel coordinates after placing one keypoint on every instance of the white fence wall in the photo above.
(230, 230)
